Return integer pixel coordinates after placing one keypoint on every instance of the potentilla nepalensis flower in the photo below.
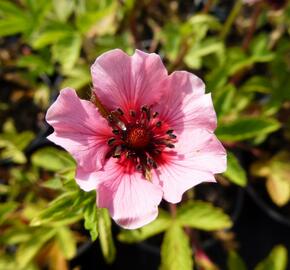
(145, 135)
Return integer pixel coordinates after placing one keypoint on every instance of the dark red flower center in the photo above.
(139, 136)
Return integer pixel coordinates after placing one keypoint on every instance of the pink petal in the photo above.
(79, 128)
(132, 200)
(185, 106)
(87, 180)
(197, 156)
(126, 82)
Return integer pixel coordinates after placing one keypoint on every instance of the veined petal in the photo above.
(79, 128)
(197, 157)
(122, 81)
(131, 200)
(185, 106)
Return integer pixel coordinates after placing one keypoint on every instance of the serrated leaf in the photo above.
(246, 128)
(66, 241)
(235, 262)
(175, 250)
(91, 219)
(203, 216)
(52, 159)
(105, 235)
(277, 260)
(157, 226)
(235, 173)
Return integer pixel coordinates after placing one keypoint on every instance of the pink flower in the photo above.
(251, 2)
(146, 136)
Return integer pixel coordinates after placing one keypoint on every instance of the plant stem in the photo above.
(172, 209)
(230, 20)
(252, 28)
(247, 40)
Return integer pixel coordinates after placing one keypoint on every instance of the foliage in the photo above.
(48, 45)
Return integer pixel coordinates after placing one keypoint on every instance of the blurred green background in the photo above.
(241, 51)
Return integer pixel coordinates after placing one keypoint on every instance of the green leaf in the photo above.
(223, 99)
(7, 8)
(175, 250)
(67, 50)
(235, 173)
(27, 250)
(14, 144)
(54, 32)
(235, 262)
(91, 219)
(100, 22)
(210, 46)
(54, 183)
(157, 226)
(6, 209)
(277, 172)
(59, 212)
(203, 215)
(257, 84)
(105, 235)
(35, 63)
(246, 128)
(277, 260)
(63, 9)
(13, 25)
(77, 78)
(52, 159)
(66, 241)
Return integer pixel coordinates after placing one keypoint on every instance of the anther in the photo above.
(155, 114)
(169, 131)
(170, 145)
(132, 113)
(146, 110)
(117, 153)
(157, 151)
(172, 136)
(110, 118)
(158, 124)
(119, 111)
(115, 131)
(151, 162)
(121, 125)
(139, 167)
(111, 141)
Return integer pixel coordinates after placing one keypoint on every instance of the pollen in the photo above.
(138, 138)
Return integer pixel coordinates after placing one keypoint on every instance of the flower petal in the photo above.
(87, 180)
(122, 81)
(79, 128)
(132, 200)
(198, 156)
(185, 106)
